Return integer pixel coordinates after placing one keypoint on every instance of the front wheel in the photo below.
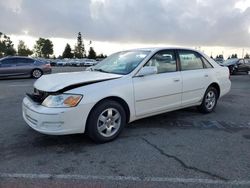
(209, 100)
(106, 121)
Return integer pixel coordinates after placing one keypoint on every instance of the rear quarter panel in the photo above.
(222, 77)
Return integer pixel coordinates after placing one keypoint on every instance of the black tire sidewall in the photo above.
(203, 107)
(93, 117)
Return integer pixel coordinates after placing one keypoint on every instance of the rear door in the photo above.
(196, 76)
(24, 65)
(161, 91)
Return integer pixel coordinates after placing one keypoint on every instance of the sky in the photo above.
(213, 26)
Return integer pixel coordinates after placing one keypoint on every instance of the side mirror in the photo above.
(145, 71)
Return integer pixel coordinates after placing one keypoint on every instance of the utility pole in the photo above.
(243, 53)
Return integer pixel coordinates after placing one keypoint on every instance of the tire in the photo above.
(36, 73)
(232, 70)
(209, 101)
(106, 121)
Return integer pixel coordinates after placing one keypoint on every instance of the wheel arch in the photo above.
(216, 86)
(117, 99)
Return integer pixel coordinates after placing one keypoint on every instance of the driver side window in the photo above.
(164, 61)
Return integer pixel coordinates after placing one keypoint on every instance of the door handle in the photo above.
(176, 79)
(206, 75)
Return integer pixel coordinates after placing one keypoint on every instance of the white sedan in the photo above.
(125, 87)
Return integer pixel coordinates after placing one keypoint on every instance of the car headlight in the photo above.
(62, 100)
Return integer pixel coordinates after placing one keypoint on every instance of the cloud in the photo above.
(180, 22)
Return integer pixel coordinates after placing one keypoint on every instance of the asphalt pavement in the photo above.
(178, 149)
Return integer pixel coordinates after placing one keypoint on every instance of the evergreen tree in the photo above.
(23, 50)
(234, 56)
(101, 56)
(221, 56)
(79, 51)
(92, 53)
(247, 56)
(67, 52)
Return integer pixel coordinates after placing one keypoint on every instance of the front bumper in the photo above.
(55, 121)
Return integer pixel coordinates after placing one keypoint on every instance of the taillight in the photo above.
(47, 65)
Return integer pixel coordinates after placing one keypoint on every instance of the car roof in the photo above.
(14, 57)
(153, 49)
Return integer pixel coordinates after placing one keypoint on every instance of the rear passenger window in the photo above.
(190, 60)
(206, 63)
(28, 61)
(164, 61)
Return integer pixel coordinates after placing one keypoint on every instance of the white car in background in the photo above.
(90, 62)
(124, 87)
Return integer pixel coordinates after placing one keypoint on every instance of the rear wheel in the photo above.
(106, 121)
(209, 100)
(36, 73)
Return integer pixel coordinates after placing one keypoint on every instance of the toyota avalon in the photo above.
(124, 87)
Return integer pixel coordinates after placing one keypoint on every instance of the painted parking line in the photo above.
(126, 178)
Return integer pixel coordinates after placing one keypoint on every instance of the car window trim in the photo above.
(159, 51)
(194, 52)
(205, 67)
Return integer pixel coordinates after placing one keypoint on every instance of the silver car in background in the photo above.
(23, 66)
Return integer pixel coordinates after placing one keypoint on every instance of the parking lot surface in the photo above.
(177, 149)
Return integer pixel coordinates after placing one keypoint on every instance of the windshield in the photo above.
(233, 60)
(121, 62)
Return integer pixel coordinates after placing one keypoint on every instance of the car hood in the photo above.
(66, 81)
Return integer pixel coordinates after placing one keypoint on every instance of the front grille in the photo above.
(38, 96)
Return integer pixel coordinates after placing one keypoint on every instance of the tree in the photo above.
(23, 50)
(43, 48)
(221, 56)
(6, 46)
(92, 53)
(234, 56)
(101, 56)
(67, 52)
(247, 56)
(79, 51)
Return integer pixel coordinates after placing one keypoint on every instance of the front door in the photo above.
(158, 92)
